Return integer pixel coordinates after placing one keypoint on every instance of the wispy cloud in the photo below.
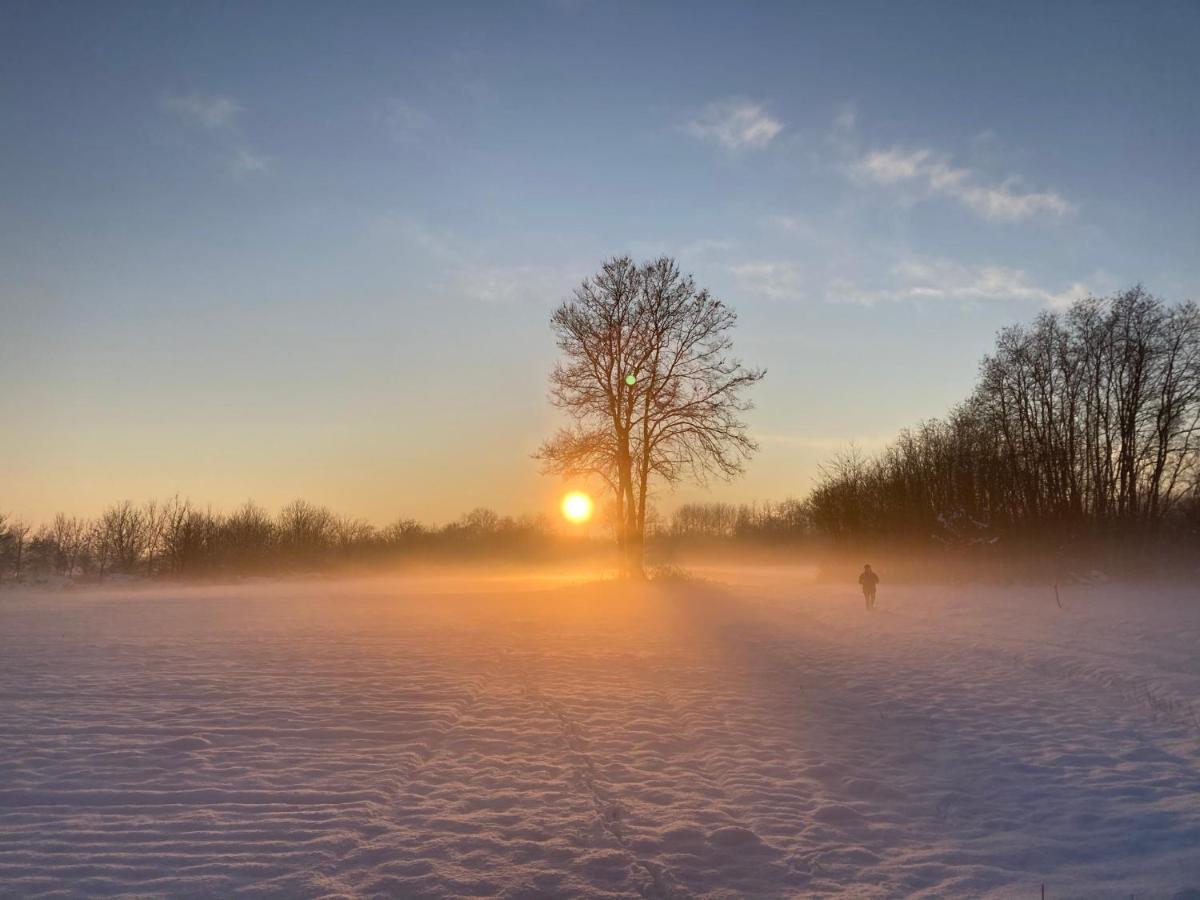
(846, 120)
(437, 244)
(1003, 201)
(217, 119)
(203, 110)
(694, 252)
(406, 122)
(735, 124)
(516, 283)
(796, 226)
(774, 280)
(943, 280)
(246, 162)
(911, 280)
(474, 270)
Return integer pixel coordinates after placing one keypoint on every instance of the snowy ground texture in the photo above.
(755, 736)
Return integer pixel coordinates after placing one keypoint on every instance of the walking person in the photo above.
(868, 579)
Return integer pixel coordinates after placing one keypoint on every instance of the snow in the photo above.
(752, 735)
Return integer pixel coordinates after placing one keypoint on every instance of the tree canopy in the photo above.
(652, 389)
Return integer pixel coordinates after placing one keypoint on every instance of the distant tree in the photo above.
(43, 554)
(246, 539)
(4, 544)
(18, 533)
(648, 380)
(404, 533)
(188, 537)
(480, 521)
(306, 532)
(121, 535)
(153, 523)
(14, 545)
(352, 535)
(708, 520)
(69, 535)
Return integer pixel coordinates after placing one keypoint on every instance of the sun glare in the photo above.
(577, 507)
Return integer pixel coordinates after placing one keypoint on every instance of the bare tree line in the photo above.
(788, 520)
(1083, 425)
(179, 538)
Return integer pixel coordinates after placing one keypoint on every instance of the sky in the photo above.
(289, 250)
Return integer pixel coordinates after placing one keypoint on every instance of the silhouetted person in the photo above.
(868, 579)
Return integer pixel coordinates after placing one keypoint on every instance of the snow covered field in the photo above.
(757, 735)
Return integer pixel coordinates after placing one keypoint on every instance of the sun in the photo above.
(577, 507)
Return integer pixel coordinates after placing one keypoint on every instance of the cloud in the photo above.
(439, 245)
(908, 281)
(695, 252)
(406, 122)
(203, 110)
(796, 226)
(774, 280)
(216, 117)
(846, 120)
(734, 124)
(509, 284)
(703, 247)
(246, 162)
(1005, 201)
(472, 269)
(942, 280)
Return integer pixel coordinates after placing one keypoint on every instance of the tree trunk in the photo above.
(635, 556)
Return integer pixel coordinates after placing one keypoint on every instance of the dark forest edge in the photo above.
(1076, 450)
(1080, 435)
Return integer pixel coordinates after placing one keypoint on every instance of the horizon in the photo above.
(278, 252)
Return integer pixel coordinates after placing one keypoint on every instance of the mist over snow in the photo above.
(754, 734)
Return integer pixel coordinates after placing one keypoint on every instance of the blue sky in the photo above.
(277, 250)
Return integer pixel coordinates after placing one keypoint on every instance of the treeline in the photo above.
(788, 520)
(178, 538)
(1081, 430)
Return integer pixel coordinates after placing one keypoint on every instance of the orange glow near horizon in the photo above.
(577, 507)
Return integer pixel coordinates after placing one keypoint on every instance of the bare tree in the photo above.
(351, 535)
(153, 523)
(247, 537)
(4, 542)
(650, 385)
(306, 532)
(186, 535)
(69, 535)
(120, 535)
(16, 543)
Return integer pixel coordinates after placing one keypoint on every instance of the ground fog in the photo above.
(750, 734)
